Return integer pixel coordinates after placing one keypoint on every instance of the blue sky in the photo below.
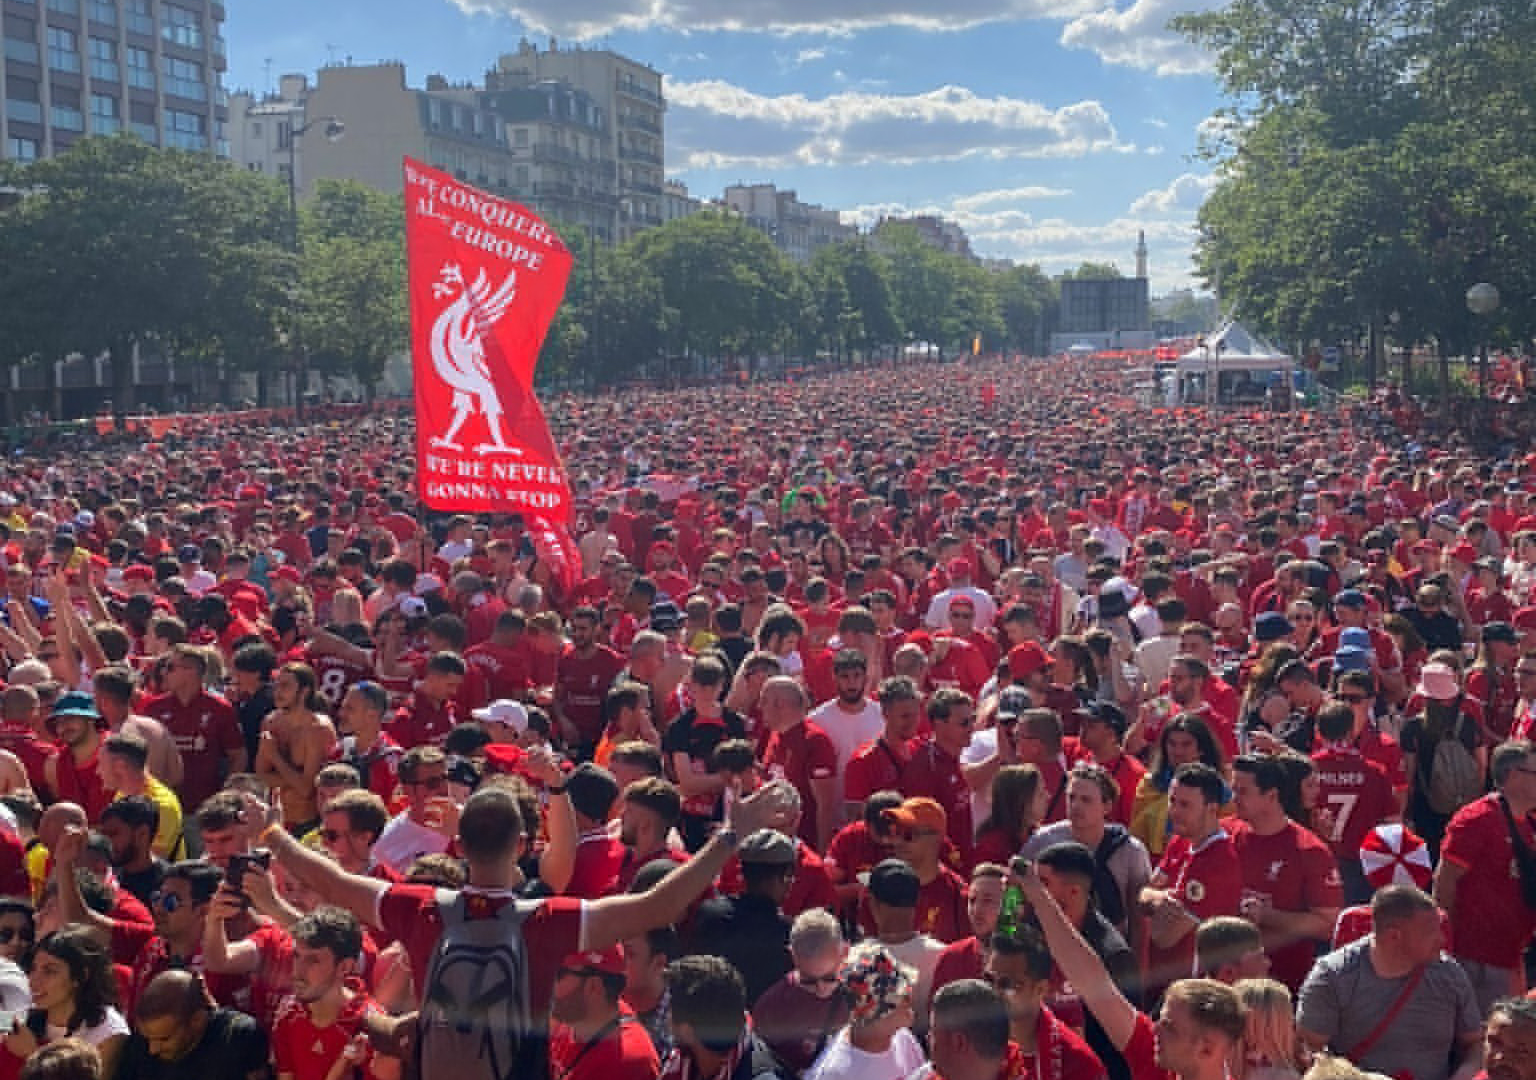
(1052, 130)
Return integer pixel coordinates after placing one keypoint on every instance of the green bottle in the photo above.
(1010, 917)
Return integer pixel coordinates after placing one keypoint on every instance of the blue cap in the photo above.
(1351, 658)
(1350, 598)
(1271, 626)
(1357, 637)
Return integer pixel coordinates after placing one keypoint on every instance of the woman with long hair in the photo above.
(74, 995)
(1186, 738)
(1018, 804)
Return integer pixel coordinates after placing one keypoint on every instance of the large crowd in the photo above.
(962, 721)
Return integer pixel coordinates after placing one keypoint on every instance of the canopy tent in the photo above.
(1243, 365)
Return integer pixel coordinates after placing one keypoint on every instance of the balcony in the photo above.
(635, 90)
(545, 151)
(629, 153)
(639, 123)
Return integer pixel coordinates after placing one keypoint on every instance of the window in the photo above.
(185, 130)
(19, 149)
(184, 78)
(63, 49)
(106, 117)
(182, 26)
(23, 99)
(141, 68)
(24, 52)
(141, 17)
(103, 60)
(520, 137)
(104, 12)
(65, 7)
(67, 117)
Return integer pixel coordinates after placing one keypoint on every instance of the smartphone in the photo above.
(240, 862)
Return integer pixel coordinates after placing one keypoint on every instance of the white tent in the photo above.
(1243, 365)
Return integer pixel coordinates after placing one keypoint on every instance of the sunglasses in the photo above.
(9, 934)
(167, 902)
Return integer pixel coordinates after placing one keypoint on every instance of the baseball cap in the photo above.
(894, 883)
(919, 813)
(767, 847)
(1351, 658)
(609, 961)
(1501, 631)
(1350, 598)
(1026, 658)
(503, 711)
(666, 616)
(1271, 626)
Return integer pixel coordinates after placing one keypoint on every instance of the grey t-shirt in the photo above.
(1343, 1000)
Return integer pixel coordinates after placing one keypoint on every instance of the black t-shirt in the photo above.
(697, 737)
(143, 884)
(233, 1047)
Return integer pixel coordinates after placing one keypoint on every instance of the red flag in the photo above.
(486, 277)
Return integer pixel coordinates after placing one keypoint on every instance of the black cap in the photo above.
(894, 883)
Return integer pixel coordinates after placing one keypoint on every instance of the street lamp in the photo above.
(1482, 301)
(334, 130)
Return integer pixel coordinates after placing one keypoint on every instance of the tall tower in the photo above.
(1141, 253)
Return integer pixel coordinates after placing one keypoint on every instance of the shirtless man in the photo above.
(296, 742)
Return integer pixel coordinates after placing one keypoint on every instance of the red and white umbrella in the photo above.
(1394, 855)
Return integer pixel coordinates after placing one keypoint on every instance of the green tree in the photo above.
(725, 289)
(1025, 296)
(120, 244)
(352, 289)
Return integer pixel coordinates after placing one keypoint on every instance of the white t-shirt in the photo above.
(849, 731)
(111, 1025)
(403, 842)
(841, 1060)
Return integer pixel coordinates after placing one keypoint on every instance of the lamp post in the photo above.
(1482, 301)
(334, 129)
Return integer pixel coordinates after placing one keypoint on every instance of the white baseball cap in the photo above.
(503, 711)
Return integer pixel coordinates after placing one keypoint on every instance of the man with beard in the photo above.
(130, 824)
(650, 810)
(73, 774)
(295, 744)
(323, 1020)
(585, 672)
(589, 1037)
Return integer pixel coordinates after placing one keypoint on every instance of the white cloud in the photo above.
(591, 18)
(1184, 194)
(1138, 36)
(1056, 243)
(715, 124)
(807, 56)
(1157, 122)
(1008, 195)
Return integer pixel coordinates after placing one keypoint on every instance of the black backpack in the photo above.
(1106, 890)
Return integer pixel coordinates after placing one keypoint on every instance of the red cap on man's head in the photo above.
(609, 961)
(1026, 658)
